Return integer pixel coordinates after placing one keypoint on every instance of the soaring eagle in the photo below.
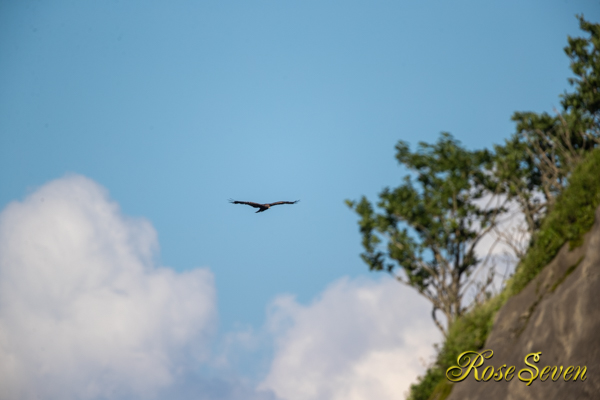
(262, 207)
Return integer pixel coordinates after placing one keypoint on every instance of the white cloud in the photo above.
(500, 247)
(511, 230)
(360, 340)
(84, 312)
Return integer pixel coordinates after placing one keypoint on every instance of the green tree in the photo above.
(546, 153)
(432, 224)
(534, 165)
(585, 64)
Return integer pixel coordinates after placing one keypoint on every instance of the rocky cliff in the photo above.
(557, 314)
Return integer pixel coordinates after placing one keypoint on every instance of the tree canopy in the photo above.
(432, 223)
(534, 165)
(425, 231)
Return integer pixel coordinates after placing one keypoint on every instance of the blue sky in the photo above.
(175, 108)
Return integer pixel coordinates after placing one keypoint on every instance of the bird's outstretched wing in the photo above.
(282, 202)
(262, 207)
(249, 203)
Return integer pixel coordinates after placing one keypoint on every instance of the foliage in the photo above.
(469, 332)
(572, 217)
(426, 384)
(431, 223)
(585, 64)
(533, 166)
(550, 168)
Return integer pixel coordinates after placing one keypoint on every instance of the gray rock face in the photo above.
(557, 314)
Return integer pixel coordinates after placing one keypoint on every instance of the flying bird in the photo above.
(262, 207)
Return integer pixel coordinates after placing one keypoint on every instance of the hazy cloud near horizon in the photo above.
(361, 339)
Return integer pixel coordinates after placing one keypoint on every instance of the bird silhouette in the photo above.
(262, 207)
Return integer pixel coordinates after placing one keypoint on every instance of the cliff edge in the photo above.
(557, 314)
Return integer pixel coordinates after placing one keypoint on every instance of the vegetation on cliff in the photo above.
(571, 217)
(425, 231)
(550, 167)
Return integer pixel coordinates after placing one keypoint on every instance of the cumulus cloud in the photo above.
(84, 311)
(361, 339)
